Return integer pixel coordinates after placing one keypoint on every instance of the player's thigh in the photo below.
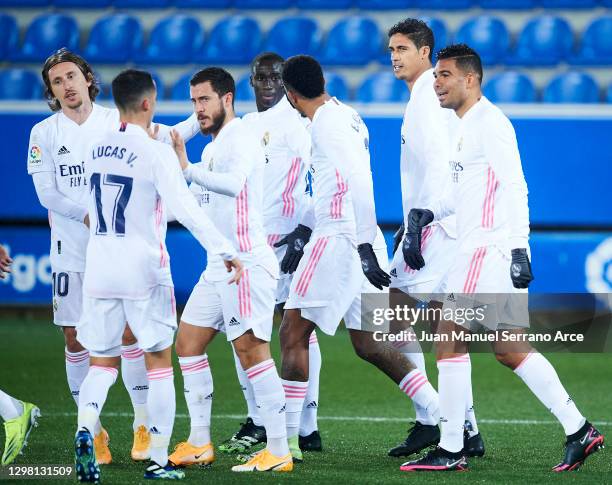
(328, 279)
(101, 326)
(153, 320)
(67, 289)
(249, 305)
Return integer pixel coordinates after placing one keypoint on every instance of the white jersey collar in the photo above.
(227, 128)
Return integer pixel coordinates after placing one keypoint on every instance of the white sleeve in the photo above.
(501, 151)
(298, 140)
(52, 199)
(40, 158)
(228, 183)
(338, 146)
(187, 129)
(436, 145)
(173, 189)
(444, 205)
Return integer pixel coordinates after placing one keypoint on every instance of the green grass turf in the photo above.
(32, 368)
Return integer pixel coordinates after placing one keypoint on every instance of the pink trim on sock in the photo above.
(298, 392)
(159, 374)
(110, 370)
(194, 367)
(523, 361)
(461, 358)
(259, 368)
(76, 357)
(313, 338)
(132, 354)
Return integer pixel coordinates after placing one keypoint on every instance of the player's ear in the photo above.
(424, 52)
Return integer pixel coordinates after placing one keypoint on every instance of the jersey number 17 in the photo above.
(123, 187)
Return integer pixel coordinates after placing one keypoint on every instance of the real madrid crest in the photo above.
(266, 139)
(460, 144)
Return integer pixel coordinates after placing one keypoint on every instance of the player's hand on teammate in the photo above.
(411, 248)
(179, 148)
(397, 237)
(295, 241)
(5, 262)
(86, 220)
(371, 268)
(153, 131)
(520, 268)
(236, 265)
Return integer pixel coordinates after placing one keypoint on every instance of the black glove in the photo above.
(370, 267)
(295, 241)
(520, 269)
(397, 237)
(417, 220)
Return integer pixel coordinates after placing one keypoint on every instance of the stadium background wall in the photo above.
(565, 158)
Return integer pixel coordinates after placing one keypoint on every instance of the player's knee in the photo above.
(72, 344)
(128, 337)
(511, 360)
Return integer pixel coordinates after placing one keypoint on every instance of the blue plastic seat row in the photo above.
(314, 4)
(380, 87)
(354, 40)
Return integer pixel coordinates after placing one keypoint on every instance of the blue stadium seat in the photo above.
(24, 3)
(174, 40)
(324, 4)
(9, 35)
(444, 4)
(383, 5)
(609, 94)
(202, 3)
(141, 3)
(508, 4)
(544, 41)
(572, 87)
(382, 87)
(510, 87)
(105, 88)
(294, 35)
(488, 35)
(114, 38)
(606, 3)
(47, 33)
(596, 44)
(233, 40)
(264, 4)
(180, 90)
(569, 3)
(351, 41)
(82, 3)
(19, 84)
(335, 85)
(244, 90)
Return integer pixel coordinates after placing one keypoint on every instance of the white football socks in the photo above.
(416, 386)
(270, 398)
(198, 385)
(247, 390)
(308, 421)
(542, 379)
(453, 387)
(77, 365)
(92, 395)
(134, 374)
(161, 408)
(10, 408)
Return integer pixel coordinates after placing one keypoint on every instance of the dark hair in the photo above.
(129, 87)
(64, 55)
(417, 31)
(467, 59)
(304, 75)
(220, 80)
(271, 57)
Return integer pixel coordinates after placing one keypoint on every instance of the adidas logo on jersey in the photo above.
(394, 272)
(63, 151)
(233, 322)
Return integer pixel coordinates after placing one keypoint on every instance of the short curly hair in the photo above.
(417, 31)
(467, 59)
(304, 75)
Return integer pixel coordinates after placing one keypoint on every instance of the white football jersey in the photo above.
(489, 192)
(286, 143)
(343, 194)
(425, 137)
(236, 152)
(59, 145)
(132, 180)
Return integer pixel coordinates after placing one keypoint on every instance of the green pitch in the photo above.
(362, 414)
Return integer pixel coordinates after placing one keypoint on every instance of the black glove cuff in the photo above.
(519, 252)
(303, 230)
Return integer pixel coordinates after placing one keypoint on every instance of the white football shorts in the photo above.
(284, 280)
(67, 297)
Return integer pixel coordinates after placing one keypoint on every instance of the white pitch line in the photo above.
(374, 419)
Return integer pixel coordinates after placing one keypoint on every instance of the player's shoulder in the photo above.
(492, 117)
(46, 126)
